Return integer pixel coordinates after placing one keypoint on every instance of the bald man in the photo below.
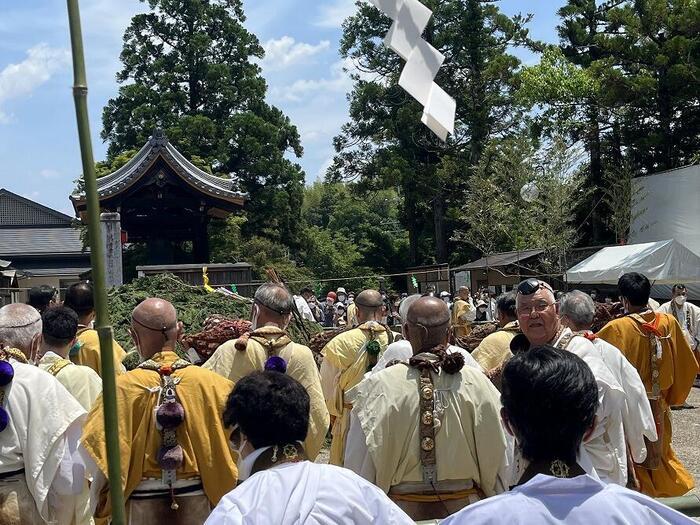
(429, 469)
(346, 358)
(235, 359)
(185, 490)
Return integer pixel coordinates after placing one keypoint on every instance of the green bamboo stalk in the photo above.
(104, 330)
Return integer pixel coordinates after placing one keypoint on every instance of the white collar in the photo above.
(544, 483)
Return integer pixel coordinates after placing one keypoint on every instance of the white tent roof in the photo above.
(663, 262)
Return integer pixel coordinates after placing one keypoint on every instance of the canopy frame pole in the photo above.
(104, 330)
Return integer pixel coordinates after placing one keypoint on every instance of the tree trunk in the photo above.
(439, 224)
(665, 119)
(596, 171)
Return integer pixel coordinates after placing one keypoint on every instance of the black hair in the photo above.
(634, 287)
(79, 298)
(41, 296)
(270, 408)
(306, 289)
(550, 398)
(506, 303)
(678, 287)
(59, 325)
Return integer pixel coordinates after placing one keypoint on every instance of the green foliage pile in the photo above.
(193, 303)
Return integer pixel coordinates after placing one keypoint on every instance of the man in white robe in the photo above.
(549, 405)
(387, 443)
(269, 414)
(41, 473)
(577, 311)
(604, 449)
(687, 315)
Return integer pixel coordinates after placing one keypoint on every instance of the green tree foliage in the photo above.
(187, 66)
(496, 217)
(384, 145)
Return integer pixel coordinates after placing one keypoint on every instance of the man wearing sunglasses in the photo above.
(538, 316)
(269, 414)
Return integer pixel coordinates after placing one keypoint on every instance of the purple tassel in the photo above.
(170, 414)
(4, 419)
(171, 458)
(276, 364)
(7, 373)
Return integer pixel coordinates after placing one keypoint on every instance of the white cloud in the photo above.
(48, 173)
(21, 79)
(333, 15)
(284, 52)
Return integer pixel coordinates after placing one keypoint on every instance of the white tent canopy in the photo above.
(663, 262)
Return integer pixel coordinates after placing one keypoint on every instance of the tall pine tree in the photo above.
(187, 66)
(385, 145)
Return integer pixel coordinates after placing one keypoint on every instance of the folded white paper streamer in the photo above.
(422, 62)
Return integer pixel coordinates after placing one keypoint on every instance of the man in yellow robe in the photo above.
(494, 349)
(636, 335)
(236, 359)
(59, 327)
(463, 313)
(86, 350)
(346, 358)
(429, 434)
(196, 467)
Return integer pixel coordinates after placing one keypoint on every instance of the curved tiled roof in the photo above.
(158, 145)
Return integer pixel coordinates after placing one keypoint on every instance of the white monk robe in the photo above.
(637, 417)
(402, 351)
(383, 444)
(81, 381)
(305, 492)
(688, 316)
(583, 500)
(45, 423)
(605, 450)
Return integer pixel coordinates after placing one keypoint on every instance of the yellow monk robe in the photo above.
(494, 349)
(463, 313)
(344, 365)
(202, 435)
(352, 314)
(81, 381)
(87, 352)
(234, 364)
(677, 370)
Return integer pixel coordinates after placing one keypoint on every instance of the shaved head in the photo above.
(369, 304)
(154, 326)
(20, 327)
(427, 324)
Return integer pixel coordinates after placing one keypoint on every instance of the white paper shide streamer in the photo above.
(422, 62)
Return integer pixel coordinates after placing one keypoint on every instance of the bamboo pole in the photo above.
(104, 330)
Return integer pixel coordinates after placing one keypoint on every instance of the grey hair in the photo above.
(578, 307)
(19, 324)
(276, 297)
(405, 305)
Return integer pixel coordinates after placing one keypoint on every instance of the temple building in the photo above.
(38, 246)
(165, 202)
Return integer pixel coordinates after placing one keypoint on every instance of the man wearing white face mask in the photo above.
(269, 414)
(687, 315)
(272, 311)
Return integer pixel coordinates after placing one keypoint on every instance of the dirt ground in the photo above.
(686, 431)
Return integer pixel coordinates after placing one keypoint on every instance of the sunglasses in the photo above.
(531, 285)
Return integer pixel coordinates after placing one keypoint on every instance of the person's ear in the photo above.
(180, 330)
(590, 430)
(506, 422)
(34, 347)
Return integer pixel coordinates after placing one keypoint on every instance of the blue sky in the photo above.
(39, 154)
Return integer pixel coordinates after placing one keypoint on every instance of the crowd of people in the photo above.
(545, 421)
